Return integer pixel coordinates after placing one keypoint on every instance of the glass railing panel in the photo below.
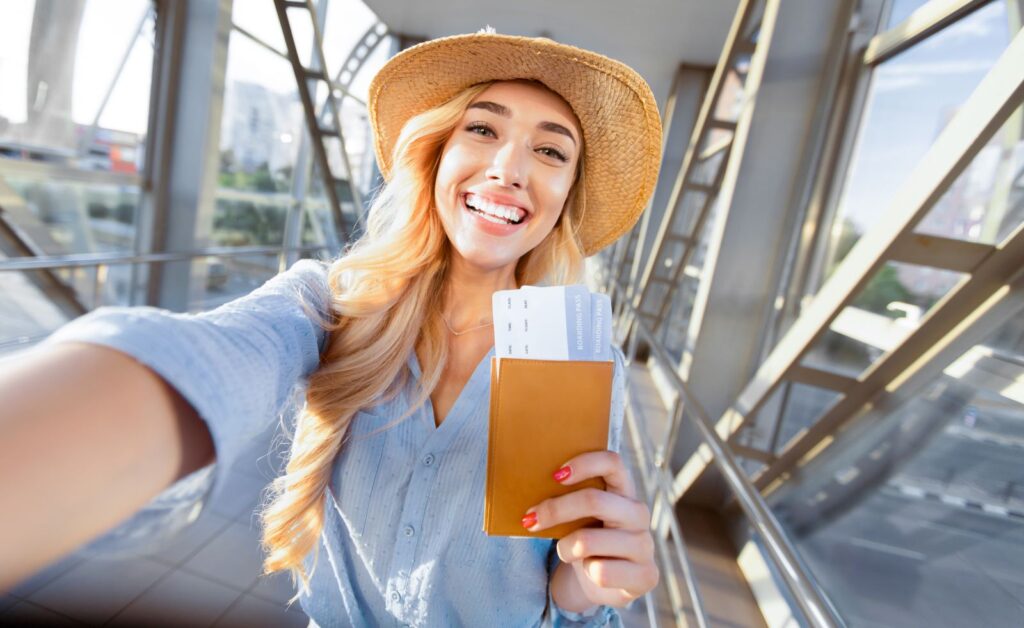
(65, 217)
(28, 314)
(228, 277)
(914, 515)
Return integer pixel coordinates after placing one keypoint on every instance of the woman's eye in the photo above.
(480, 129)
(553, 152)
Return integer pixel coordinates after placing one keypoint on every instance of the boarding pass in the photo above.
(552, 323)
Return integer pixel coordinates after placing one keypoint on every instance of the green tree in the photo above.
(262, 180)
(884, 288)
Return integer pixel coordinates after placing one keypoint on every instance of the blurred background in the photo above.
(822, 306)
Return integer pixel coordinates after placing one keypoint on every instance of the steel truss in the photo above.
(324, 127)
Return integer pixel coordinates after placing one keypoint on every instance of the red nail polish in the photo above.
(563, 473)
(529, 519)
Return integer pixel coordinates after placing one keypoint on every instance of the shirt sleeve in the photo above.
(596, 615)
(237, 365)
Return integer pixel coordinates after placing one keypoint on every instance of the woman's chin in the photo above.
(485, 260)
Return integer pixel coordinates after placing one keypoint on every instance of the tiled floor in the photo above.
(208, 575)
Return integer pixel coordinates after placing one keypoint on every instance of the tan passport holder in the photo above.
(543, 412)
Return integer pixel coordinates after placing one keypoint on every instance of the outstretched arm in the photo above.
(118, 404)
(89, 436)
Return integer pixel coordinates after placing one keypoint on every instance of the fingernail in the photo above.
(530, 520)
(563, 473)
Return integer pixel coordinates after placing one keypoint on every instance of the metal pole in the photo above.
(90, 260)
(809, 597)
(663, 489)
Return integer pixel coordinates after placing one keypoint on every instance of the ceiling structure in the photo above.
(652, 36)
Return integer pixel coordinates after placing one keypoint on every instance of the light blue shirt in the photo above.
(402, 542)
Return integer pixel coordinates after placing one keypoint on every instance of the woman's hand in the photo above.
(615, 564)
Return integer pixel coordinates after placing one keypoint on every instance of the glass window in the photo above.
(76, 82)
(74, 110)
(260, 20)
(262, 120)
(263, 131)
(986, 202)
(915, 517)
(902, 9)
(53, 217)
(347, 21)
(804, 406)
(912, 98)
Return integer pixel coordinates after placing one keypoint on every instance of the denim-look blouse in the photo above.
(402, 542)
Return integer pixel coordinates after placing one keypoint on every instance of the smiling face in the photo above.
(506, 172)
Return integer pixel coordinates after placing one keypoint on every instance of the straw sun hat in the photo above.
(617, 112)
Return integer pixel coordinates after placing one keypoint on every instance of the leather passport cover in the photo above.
(543, 412)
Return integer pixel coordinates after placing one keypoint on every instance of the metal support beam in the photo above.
(821, 379)
(887, 373)
(682, 107)
(995, 99)
(759, 208)
(921, 24)
(747, 16)
(938, 252)
(868, 451)
(187, 102)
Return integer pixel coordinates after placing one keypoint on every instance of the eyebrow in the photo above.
(505, 112)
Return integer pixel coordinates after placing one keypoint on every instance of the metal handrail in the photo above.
(663, 488)
(90, 259)
(806, 593)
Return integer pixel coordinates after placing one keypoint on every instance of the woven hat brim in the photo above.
(614, 104)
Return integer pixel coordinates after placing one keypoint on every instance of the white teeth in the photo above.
(493, 219)
(508, 213)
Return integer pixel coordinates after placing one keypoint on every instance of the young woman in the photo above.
(507, 161)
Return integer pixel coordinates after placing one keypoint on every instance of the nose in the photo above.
(507, 168)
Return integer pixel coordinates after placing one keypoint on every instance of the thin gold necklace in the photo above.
(465, 331)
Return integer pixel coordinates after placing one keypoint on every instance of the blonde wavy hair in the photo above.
(387, 295)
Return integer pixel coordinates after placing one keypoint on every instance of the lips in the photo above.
(491, 224)
(501, 208)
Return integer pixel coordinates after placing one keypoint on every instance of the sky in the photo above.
(102, 41)
(912, 97)
(106, 33)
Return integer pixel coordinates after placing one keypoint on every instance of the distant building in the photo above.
(260, 126)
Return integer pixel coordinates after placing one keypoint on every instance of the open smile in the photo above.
(494, 218)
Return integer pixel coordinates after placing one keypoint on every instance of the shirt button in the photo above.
(395, 596)
(428, 459)
(409, 531)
